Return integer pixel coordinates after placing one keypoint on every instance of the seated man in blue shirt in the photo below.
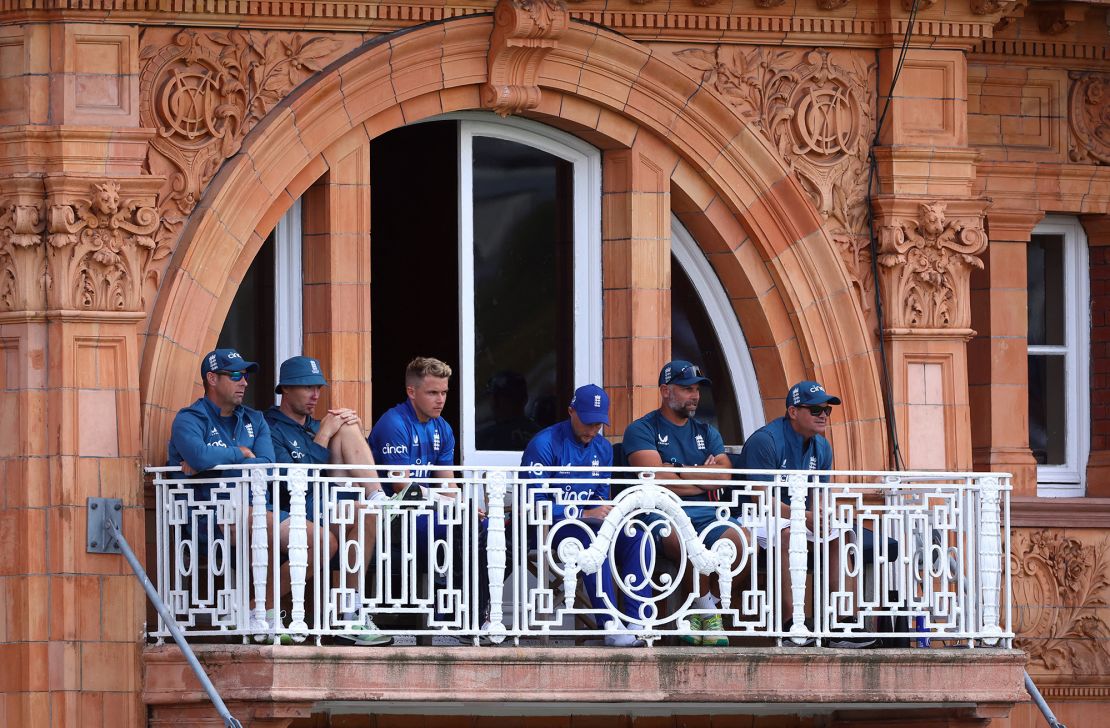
(578, 442)
(796, 441)
(413, 435)
(301, 439)
(670, 437)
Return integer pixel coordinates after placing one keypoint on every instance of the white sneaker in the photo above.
(623, 636)
(365, 634)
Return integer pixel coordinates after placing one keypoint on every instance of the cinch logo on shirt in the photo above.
(217, 443)
(663, 439)
(296, 454)
(391, 449)
(700, 441)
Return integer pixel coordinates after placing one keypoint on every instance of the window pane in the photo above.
(249, 326)
(693, 339)
(523, 326)
(1047, 409)
(1045, 270)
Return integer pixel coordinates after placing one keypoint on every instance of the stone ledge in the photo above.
(799, 677)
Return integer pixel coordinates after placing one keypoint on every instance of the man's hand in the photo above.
(346, 416)
(598, 512)
(246, 451)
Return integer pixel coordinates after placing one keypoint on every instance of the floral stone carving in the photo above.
(1089, 117)
(926, 263)
(100, 246)
(819, 114)
(22, 258)
(204, 92)
(1061, 588)
(524, 32)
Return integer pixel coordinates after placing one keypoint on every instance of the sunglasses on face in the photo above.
(234, 376)
(817, 410)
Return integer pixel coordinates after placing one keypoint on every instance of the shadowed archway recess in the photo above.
(753, 220)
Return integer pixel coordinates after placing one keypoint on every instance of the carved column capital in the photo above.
(927, 250)
(1089, 117)
(100, 241)
(524, 32)
(22, 250)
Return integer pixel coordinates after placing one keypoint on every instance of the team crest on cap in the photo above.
(597, 401)
(315, 369)
(212, 361)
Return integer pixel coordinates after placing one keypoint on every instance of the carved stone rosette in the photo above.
(818, 111)
(524, 32)
(1061, 590)
(203, 92)
(1089, 117)
(22, 251)
(100, 242)
(925, 258)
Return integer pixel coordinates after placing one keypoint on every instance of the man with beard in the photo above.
(670, 437)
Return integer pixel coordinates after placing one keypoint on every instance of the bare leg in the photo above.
(349, 447)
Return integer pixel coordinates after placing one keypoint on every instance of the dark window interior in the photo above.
(249, 326)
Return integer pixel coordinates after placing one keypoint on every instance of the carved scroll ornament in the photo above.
(204, 92)
(926, 263)
(1061, 589)
(818, 113)
(100, 248)
(22, 257)
(1089, 117)
(524, 32)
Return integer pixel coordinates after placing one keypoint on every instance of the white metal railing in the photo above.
(488, 540)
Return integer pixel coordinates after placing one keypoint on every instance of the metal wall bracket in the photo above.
(100, 538)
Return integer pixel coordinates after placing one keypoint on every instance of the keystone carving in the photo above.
(1089, 117)
(22, 251)
(203, 92)
(990, 7)
(524, 32)
(831, 4)
(1061, 590)
(100, 246)
(926, 263)
(819, 114)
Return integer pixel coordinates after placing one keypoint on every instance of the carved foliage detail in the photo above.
(203, 93)
(524, 32)
(99, 250)
(1061, 587)
(1089, 117)
(927, 264)
(819, 115)
(22, 256)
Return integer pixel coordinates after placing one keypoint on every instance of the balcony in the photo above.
(529, 584)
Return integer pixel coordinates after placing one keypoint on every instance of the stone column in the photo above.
(1097, 228)
(636, 268)
(336, 261)
(998, 368)
(77, 242)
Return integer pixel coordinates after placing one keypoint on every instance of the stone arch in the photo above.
(753, 219)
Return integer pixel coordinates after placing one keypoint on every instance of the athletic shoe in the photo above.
(850, 643)
(695, 626)
(713, 623)
(272, 618)
(623, 636)
(365, 634)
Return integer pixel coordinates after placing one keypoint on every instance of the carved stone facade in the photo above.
(1089, 117)
(524, 32)
(22, 253)
(1062, 587)
(818, 110)
(927, 259)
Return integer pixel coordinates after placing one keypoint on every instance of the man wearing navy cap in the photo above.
(670, 437)
(796, 441)
(301, 439)
(578, 442)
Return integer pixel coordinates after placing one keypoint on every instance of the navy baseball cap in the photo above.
(591, 404)
(226, 360)
(807, 393)
(300, 371)
(683, 373)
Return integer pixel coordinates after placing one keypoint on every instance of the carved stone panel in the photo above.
(100, 236)
(1061, 592)
(817, 109)
(524, 32)
(925, 258)
(22, 251)
(1089, 117)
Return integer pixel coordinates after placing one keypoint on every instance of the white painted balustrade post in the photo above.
(298, 550)
(990, 558)
(260, 548)
(496, 489)
(798, 487)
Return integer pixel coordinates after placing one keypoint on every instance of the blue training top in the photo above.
(294, 442)
(400, 438)
(776, 446)
(688, 445)
(204, 439)
(557, 446)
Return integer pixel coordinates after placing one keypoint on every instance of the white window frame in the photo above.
(1069, 479)
(726, 326)
(288, 282)
(586, 162)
